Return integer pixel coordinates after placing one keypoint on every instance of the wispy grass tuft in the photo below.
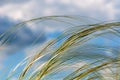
(86, 50)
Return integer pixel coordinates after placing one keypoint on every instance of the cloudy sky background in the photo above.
(16, 11)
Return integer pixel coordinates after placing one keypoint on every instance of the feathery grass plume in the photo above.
(86, 50)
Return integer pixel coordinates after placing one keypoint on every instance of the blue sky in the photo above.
(16, 11)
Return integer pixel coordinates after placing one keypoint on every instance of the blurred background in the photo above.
(15, 11)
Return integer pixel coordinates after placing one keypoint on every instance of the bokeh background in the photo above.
(15, 11)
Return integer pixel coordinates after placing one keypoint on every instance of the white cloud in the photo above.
(92, 8)
(15, 11)
(49, 1)
(66, 2)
